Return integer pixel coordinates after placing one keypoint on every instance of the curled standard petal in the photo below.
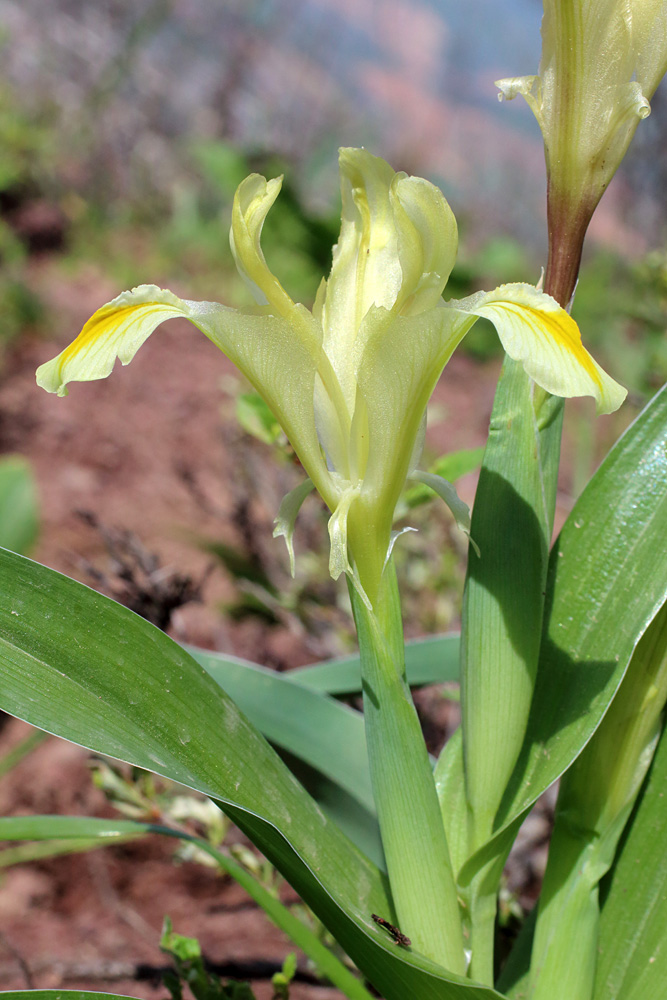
(365, 269)
(252, 202)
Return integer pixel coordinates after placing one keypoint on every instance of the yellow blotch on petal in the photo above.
(116, 330)
(535, 331)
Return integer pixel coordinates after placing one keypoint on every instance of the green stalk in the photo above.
(503, 604)
(413, 836)
(596, 798)
(512, 524)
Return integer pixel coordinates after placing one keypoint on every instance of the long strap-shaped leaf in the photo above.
(632, 962)
(604, 587)
(328, 735)
(77, 664)
(432, 660)
(512, 524)
(329, 738)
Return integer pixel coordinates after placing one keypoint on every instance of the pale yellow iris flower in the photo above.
(349, 380)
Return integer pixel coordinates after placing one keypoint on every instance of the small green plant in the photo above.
(190, 971)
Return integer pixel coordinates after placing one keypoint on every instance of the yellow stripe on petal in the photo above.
(537, 332)
(117, 330)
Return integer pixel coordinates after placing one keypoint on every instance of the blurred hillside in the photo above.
(117, 102)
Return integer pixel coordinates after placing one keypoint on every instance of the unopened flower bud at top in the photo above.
(601, 63)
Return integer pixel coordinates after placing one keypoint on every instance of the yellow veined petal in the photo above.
(535, 331)
(117, 330)
(279, 362)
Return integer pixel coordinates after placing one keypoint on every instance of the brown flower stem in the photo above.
(567, 231)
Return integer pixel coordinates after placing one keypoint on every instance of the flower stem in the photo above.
(413, 835)
(567, 229)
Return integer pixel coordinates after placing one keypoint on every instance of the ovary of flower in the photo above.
(349, 381)
(601, 63)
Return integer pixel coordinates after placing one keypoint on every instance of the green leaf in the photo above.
(19, 513)
(76, 828)
(75, 663)
(604, 587)
(632, 962)
(504, 594)
(317, 729)
(53, 836)
(427, 661)
(312, 729)
(512, 523)
(595, 799)
(360, 825)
